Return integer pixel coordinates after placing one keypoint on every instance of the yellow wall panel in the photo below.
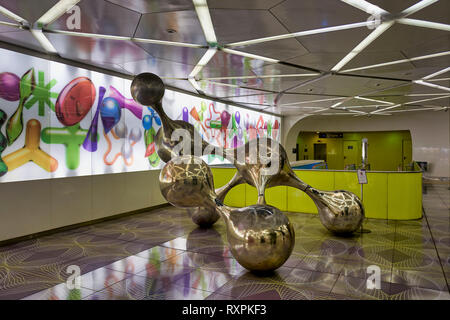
(375, 195)
(404, 196)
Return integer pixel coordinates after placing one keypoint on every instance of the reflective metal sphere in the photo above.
(147, 89)
(261, 238)
(187, 182)
(204, 217)
(340, 211)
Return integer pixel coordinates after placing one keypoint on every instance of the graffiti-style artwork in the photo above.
(61, 121)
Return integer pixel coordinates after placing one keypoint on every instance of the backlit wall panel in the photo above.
(61, 121)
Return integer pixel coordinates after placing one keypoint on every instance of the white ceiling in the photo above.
(288, 57)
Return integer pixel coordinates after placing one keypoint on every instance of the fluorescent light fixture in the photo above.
(56, 11)
(428, 56)
(424, 24)
(424, 94)
(110, 37)
(300, 34)
(388, 108)
(203, 61)
(43, 41)
(312, 101)
(264, 76)
(9, 24)
(362, 45)
(249, 55)
(436, 73)
(421, 109)
(432, 85)
(373, 100)
(365, 6)
(440, 79)
(11, 15)
(339, 103)
(430, 99)
(201, 7)
(418, 6)
(195, 85)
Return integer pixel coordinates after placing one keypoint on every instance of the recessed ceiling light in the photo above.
(171, 31)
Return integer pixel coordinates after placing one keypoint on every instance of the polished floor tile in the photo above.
(163, 255)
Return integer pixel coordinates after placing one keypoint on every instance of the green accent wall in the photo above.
(385, 149)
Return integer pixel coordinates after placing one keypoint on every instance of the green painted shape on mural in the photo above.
(3, 144)
(74, 294)
(14, 126)
(153, 159)
(42, 94)
(72, 137)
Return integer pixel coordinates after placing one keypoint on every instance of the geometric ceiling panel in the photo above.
(334, 42)
(163, 68)
(280, 49)
(177, 26)
(30, 10)
(345, 85)
(21, 38)
(242, 4)
(145, 6)
(189, 56)
(437, 12)
(394, 6)
(102, 17)
(312, 14)
(97, 50)
(289, 75)
(220, 90)
(400, 37)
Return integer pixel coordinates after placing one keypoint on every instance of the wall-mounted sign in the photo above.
(362, 176)
(61, 121)
(331, 135)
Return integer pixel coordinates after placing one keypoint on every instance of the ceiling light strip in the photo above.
(194, 83)
(422, 109)
(365, 6)
(312, 101)
(203, 62)
(373, 100)
(122, 38)
(56, 12)
(388, 108)
(264, 76)
(430, 99)
(201, 7)
(418, 6)
(362, 45)
(43, 40)
(429, 56)
(432, 85)
(10, 24)
(249, 55)
(424, 24)
(300, 34)
(440, 79)
(436, 73)
(11, 15)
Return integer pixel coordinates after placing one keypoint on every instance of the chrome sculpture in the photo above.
(261, 163)
(260, 237)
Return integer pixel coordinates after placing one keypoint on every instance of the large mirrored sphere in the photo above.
(261, 238)
(147, 89)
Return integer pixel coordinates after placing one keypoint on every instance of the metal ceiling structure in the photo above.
(287, 57)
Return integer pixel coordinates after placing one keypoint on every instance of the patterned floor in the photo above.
(163, 255)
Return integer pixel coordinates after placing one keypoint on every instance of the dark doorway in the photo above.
(320, 151)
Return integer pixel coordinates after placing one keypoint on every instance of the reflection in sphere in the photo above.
(204, 217)
(261, 238)
(147, 89)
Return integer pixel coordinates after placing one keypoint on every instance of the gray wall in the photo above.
(34, 206)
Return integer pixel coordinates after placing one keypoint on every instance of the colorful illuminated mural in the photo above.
(61, 121)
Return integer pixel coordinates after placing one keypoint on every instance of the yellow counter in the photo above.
(388, 195)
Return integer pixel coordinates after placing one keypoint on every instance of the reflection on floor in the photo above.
(162, 255)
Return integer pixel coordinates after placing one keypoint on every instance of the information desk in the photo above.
(388, 195)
